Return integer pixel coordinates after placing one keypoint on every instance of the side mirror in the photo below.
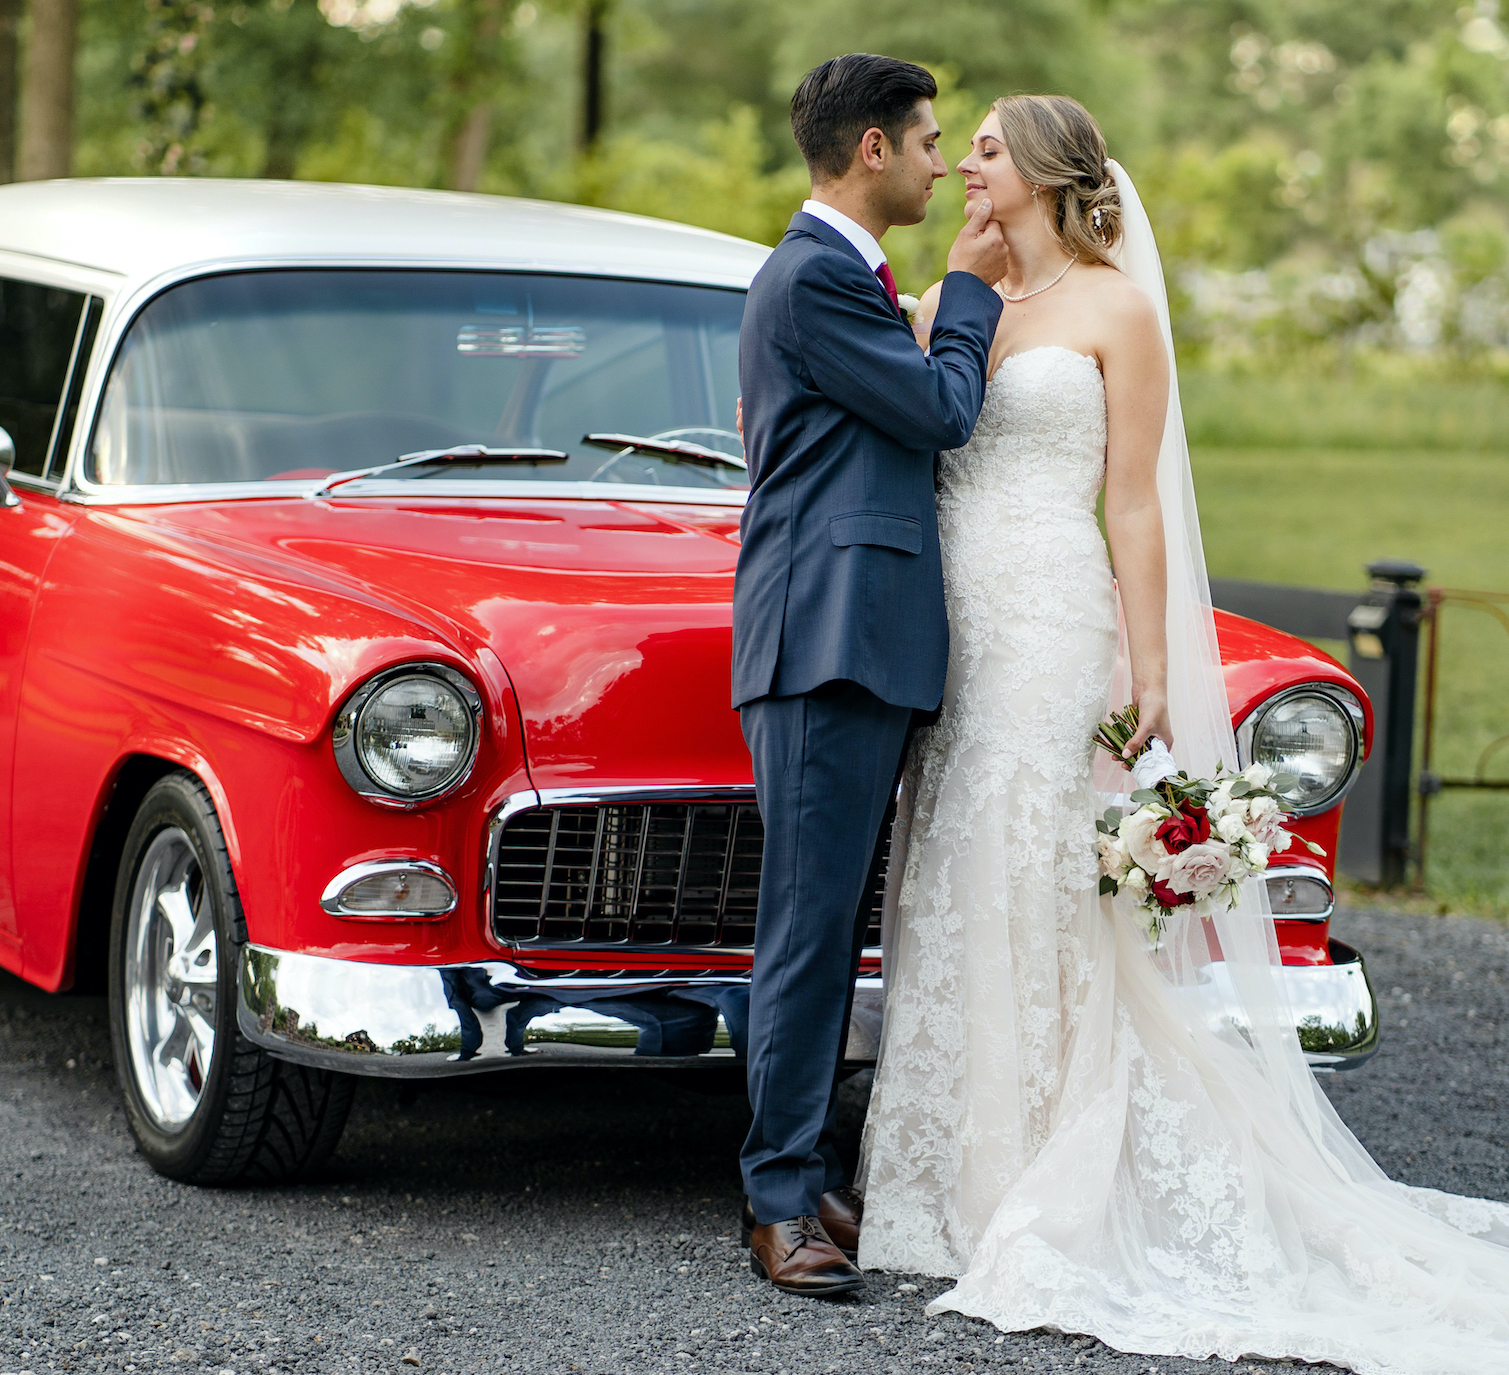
(7, 462)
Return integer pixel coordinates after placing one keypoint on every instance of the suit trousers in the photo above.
(826, 764)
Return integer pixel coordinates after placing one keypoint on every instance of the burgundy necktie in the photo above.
(889, 283)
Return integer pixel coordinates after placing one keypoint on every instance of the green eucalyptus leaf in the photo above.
(1283, 783)
(1241, 788)
(1143, 796)
(1113, 817)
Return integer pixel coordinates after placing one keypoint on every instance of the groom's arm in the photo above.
(863, 362)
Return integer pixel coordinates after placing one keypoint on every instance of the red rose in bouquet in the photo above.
(1167, 896)
(1190, 825)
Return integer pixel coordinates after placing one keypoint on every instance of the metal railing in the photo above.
(1430, 783)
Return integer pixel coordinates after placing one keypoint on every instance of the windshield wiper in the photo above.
(672, 450)
(469, 454)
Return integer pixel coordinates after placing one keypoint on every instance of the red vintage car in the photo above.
(365, 568)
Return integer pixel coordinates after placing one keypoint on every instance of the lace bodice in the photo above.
(1041, 435)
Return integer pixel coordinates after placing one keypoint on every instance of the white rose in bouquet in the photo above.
(1231, 829)
(1201, 869)
(1267, 823)
(1114, 858)
(1138, 833)
(1136, 880)
(1257, 774)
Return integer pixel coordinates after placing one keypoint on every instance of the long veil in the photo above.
(1250, 1003)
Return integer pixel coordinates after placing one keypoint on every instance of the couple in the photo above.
(1057, 1122)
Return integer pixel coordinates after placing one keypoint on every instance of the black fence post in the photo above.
(1395, 580)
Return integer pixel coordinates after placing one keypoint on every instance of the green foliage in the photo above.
(719, 183)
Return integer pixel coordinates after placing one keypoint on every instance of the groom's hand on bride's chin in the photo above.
(981, 246)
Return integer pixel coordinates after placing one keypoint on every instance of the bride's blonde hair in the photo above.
(1057, 145)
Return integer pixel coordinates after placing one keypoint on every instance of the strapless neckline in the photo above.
(1045, 348)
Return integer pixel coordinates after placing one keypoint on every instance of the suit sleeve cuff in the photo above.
(963, 291)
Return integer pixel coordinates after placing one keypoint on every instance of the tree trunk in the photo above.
(10, 16)
(470, 152)
(47, 116)
(593, 52)
(474, 85)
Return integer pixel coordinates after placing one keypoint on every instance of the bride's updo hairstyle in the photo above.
(1056, 144)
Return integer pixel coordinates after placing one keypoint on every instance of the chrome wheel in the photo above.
(171, 980)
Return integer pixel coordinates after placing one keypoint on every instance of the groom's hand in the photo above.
(980, 247)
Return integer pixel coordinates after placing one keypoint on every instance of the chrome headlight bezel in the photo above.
(345, 734)
(1351, 713)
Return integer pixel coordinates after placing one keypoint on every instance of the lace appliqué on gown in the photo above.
(1047, 1123)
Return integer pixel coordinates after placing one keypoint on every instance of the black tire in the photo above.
(255, 1119)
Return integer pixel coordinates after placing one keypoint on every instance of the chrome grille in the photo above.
(638, 873)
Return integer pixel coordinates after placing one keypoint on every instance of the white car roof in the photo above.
(142, 227)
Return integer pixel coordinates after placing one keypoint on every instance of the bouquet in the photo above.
(1191, 841)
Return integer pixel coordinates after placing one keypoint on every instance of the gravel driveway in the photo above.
(556, 1222)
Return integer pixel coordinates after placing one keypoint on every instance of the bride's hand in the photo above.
(1152, 719)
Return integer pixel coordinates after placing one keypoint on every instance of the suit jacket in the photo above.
(839, 573)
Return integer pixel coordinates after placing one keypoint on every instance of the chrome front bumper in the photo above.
(402, 1021)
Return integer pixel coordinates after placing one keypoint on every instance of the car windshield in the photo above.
(283, 375)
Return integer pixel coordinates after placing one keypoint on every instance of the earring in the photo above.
(1035, 190)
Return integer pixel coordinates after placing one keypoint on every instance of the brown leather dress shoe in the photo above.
(839, 1210)
(798, 1257)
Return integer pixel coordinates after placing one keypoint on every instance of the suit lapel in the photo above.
(803, 223)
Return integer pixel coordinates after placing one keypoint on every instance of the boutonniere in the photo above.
(909, 307)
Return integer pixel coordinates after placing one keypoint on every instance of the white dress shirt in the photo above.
(856, 234)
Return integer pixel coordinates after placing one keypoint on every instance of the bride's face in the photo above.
(989, 171)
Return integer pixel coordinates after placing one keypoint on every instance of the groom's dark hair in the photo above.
(838, 101)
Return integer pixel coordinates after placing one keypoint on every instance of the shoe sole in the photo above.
(851, 1256)
(826, 1291)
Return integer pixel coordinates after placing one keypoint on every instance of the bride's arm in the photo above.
(1135, 365)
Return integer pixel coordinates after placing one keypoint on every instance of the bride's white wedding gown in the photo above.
(1049, 1124)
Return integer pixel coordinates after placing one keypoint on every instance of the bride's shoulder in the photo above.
(1123, 305)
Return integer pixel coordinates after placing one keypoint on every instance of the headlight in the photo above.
(1314, 733)
(409, 735)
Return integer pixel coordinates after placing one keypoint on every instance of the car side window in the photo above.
(40, 329)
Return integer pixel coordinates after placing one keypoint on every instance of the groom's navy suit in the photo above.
(839, 635)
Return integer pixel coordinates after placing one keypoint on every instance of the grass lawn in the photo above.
(1315, 516)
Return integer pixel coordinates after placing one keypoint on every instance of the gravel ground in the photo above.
(557, 1222)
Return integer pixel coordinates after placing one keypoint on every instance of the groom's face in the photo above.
(906, 182)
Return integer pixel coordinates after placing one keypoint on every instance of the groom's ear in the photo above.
(874, 151)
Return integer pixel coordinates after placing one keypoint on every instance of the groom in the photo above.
(839, 625)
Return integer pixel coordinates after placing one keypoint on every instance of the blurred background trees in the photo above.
(1330, 180)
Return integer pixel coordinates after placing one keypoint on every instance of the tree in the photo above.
(47, 114)
(10, 16)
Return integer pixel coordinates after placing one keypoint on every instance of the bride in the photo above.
(1061, 1119)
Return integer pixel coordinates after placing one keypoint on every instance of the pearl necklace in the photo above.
(1017, 300)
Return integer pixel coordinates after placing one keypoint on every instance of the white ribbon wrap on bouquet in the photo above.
(1153, 765)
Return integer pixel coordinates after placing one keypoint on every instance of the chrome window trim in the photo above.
(1313, 875)
(343, 735)
(330, 899)
(185, 493)
(546, 798)
(123, 308)
(1343, 698)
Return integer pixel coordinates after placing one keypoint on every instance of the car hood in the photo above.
(610, 620)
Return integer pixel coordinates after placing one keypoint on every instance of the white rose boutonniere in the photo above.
(909, 307)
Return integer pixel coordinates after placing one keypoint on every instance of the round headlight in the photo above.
(409, 735)
(1312, 736)
(414, 737)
